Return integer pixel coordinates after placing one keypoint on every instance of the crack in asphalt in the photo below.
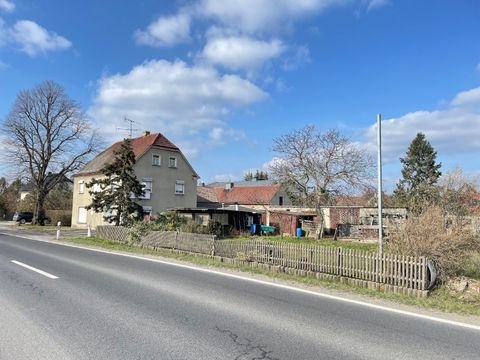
(249, 351)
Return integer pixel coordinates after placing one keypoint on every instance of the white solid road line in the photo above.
(273, 284)
(44, 273)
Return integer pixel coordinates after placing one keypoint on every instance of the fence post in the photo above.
(175, 244)
(213, 245)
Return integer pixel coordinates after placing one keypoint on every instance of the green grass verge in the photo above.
(439, 299)
(325, 242)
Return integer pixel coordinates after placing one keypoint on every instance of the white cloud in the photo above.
(251, 16)
(300, 56)
(243, 52)
(7, 5)
(221, 135)
(32, 39)
(375, 4)
(226, 178)
(451, 131)
(171, 97)
(469, 97)
(165, 31)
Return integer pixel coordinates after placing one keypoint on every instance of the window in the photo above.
(172, 162)
(147, 188)
(179, 187)
(156, 160)
(280, 200)
(82, 215)
(81, 187)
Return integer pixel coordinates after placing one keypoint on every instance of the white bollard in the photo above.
(58, 229)
(89, 231)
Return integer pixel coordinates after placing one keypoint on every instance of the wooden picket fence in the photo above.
(402, 271)
(406, 272)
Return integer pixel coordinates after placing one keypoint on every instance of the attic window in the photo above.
(156, 160)
(172, 162)
(81, 187)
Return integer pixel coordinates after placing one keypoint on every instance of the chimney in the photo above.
(146, 133)
(229, 186)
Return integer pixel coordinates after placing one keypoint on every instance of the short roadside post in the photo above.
(59, 224)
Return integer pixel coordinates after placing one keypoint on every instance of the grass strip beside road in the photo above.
(439, 299)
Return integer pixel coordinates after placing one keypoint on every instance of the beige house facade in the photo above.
(168, 178)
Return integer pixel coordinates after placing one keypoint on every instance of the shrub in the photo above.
(214, 227)
(440, 238)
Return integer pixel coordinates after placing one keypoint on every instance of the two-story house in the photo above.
(169, 180)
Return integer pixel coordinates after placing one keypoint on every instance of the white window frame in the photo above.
(81, 187)
(154, 157)
(82, 211)
(179, 187)
(170, 158)
(147, 184)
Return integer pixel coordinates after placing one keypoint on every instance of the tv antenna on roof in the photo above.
(130, 129)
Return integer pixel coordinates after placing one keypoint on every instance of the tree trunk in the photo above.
(321, 220)
(39, 214)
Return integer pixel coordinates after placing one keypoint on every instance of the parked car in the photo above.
(25, 216)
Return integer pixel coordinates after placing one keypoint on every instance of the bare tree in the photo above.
(47, 137)
(315, 167)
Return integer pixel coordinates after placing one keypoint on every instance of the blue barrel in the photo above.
(299, 232)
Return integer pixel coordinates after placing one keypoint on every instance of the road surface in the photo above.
(62, 302)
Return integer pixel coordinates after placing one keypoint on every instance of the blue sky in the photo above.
(221, 79)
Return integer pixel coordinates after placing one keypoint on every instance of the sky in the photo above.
(223, 78)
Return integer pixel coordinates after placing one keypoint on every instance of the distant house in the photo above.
(245, 193)
(64, 184)
(168, 178)
(260, 201)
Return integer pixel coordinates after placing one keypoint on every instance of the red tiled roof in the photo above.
(247, 195)
(206, 194)
(139, 145)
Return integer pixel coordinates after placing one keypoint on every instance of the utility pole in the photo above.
(379, 196)
(130, 129)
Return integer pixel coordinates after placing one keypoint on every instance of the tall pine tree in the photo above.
(420, 173)
(115, 194)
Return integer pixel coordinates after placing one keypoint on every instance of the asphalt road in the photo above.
(105, 306)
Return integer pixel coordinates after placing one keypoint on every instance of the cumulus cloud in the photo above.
(31, 38)
(241, 52)
(451, 131)
(251, 16)
(466, 98)
(165, 31)
(172, 97)
(7, 5)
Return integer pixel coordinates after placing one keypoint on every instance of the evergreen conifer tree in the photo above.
(119, 188)
(420, 173)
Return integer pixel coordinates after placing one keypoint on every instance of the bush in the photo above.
(64, 216)
(214, 227)
(442, 239)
